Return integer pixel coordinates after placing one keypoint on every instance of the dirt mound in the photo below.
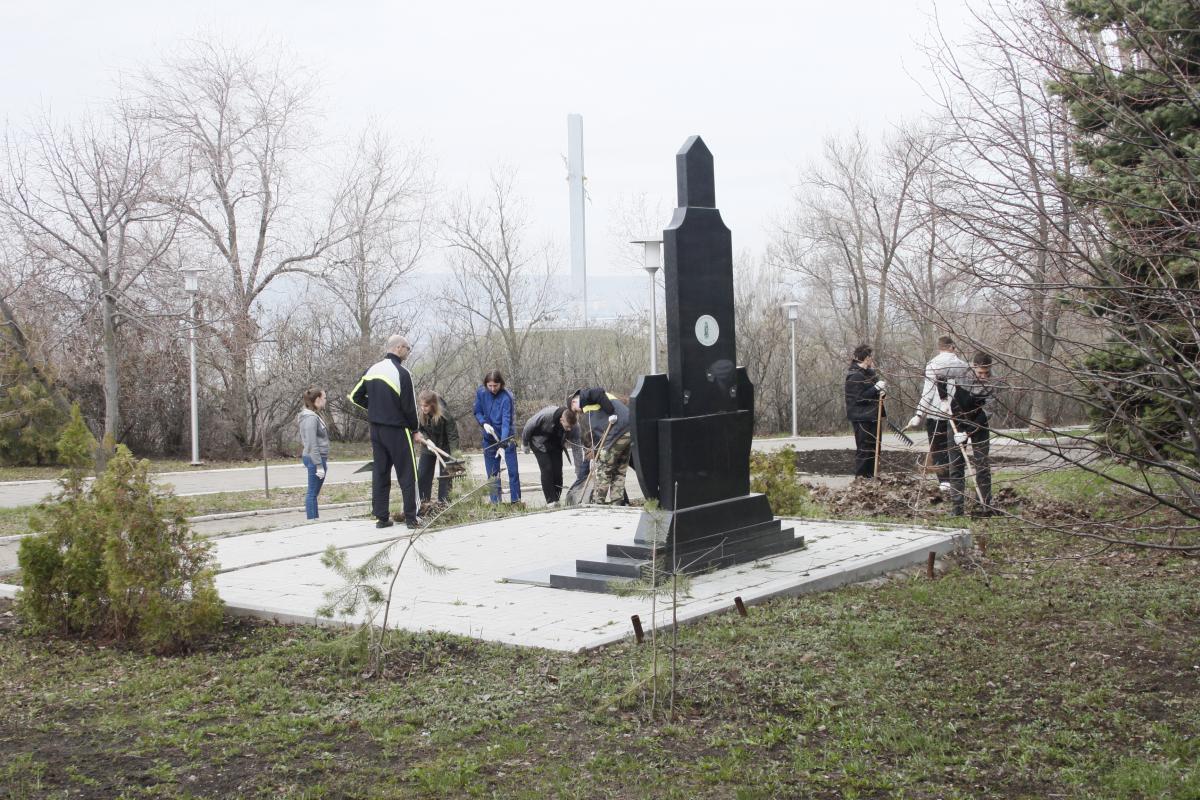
(897, 496)
(905, 462)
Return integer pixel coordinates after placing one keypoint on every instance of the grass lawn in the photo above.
(1047, 667)
(15, 521)
(338, 451)
(1028, 673)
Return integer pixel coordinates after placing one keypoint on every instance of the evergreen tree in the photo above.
(1132, 94)
(30, 420)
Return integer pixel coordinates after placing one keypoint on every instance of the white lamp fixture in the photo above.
(652, 253)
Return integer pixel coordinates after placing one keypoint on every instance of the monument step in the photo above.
(728, 558)
(614, 565)
(588, 581)
(696, 522)
(745, 536)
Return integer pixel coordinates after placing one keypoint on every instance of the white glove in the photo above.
(944, 407)
(914, 422)
(612, 419)
(320, 473)
(960, 438)
(881, 387)
(489, 430)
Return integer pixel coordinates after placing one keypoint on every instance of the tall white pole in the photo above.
(653, 329)
(578, 195)
(195, 412)
(794, 378)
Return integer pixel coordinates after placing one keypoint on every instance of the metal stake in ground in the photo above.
(878, 433)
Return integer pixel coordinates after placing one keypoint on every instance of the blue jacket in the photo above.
(497, 410)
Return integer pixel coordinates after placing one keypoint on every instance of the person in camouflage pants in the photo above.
(611, 464)
(607, 435)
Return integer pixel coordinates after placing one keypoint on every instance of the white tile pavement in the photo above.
(278, 574)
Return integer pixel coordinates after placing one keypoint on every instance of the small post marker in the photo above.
(741, 607)
(637, 628)
(929, 564)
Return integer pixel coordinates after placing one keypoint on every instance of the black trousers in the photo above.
(864, 449)
(979, 431)
(947, 457)
(392, 447)
(550, 467)
(425, 467)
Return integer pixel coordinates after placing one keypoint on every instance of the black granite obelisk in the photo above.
(692, 427)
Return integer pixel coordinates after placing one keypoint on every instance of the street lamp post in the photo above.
(652, 263)
(793, 314)
(191, 284)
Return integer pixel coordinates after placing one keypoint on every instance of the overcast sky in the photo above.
(486, 83)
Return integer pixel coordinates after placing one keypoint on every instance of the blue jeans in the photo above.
(491, 463)
(314, 486)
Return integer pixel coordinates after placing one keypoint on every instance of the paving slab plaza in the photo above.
(278, 574)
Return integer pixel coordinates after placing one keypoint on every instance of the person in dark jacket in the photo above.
(495, 411)
(545, 434)
(386, 393)
(864, 395)
(976, 424)
(607, 434)
(439, 429)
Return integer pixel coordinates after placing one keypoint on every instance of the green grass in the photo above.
(14, 521)
(1009, 677)
(1028, 672)
(338, 451)
(226, 502)
(1089, 487)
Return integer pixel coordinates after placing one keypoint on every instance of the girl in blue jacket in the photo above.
(494, 411)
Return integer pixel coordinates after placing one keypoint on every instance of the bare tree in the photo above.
(853, 214)
(237, 127)
(82, 197)
(385, 210)
(502, 288)
(1003, 167)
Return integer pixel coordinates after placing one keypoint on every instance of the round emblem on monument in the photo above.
(707, 330)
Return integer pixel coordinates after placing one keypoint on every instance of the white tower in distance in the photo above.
(575, 179)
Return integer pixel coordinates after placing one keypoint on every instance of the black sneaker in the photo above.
(415, 523)
(383, 523)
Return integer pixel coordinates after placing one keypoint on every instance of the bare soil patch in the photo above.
(906, 462)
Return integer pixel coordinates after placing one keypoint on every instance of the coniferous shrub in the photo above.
(774, 474)
(30, 421)
(117, 560)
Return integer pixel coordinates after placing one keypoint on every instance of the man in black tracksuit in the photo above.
(864, 394)
(386, 392)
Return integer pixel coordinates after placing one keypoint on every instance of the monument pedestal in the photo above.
(688, 540)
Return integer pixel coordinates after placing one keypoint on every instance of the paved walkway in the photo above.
(244, 479)
(278, 574)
